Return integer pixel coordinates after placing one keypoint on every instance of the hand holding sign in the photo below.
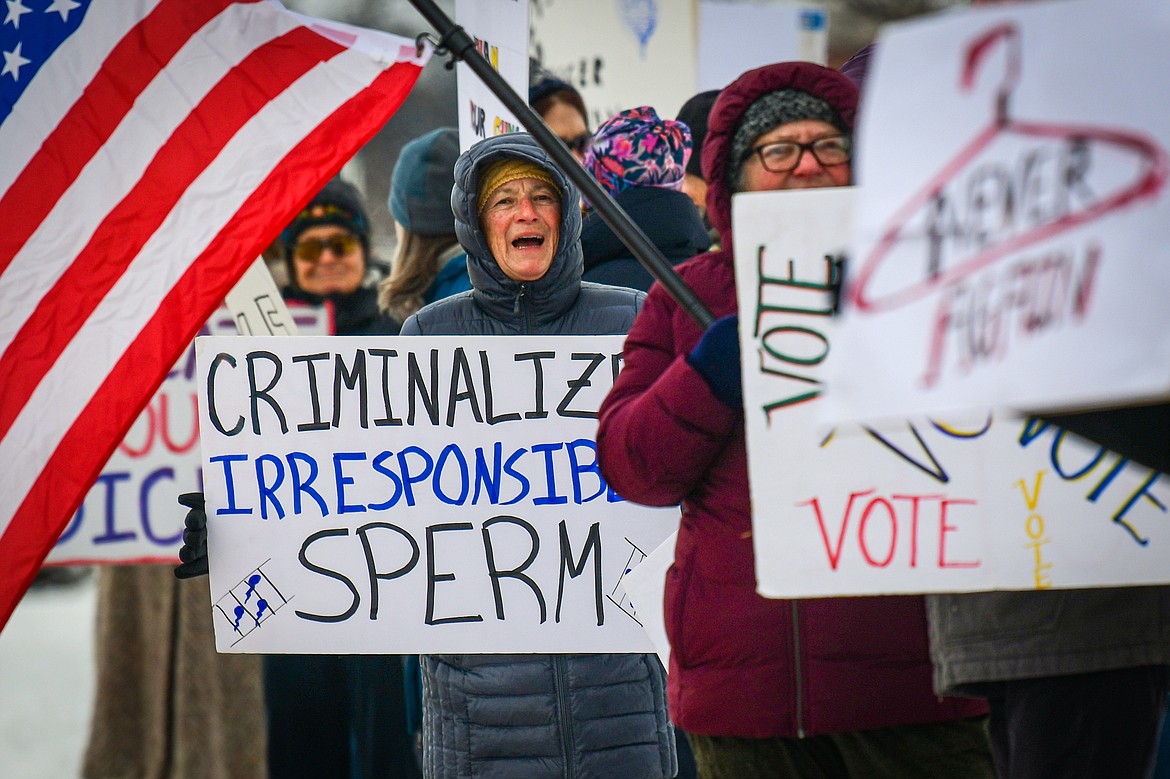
(716, 358)
(193, 553)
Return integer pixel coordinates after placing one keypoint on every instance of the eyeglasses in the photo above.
(783, 156)
(580, 143)
(310, 250)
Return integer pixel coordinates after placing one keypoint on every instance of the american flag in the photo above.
(149, 151)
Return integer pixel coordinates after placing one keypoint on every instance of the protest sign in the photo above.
(258, 307)
(619, 55)
(130, 514)
(1010, 238)
(424, 494)
(980, 502)
(500, 29)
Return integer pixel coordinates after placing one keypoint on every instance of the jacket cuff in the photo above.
(692, 400)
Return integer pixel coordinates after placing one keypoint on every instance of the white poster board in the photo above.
(258, 307)
(1011, 238)
(130, 515)
(500, 29)
(980, 502)
(738, 36)
(423, 494)
(620, 54)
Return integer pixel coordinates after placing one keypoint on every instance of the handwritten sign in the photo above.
(1010, 238)
(619, 55)
(425, 494)
(257, 305)
(130, 514)
(500, 29)
(958, 503)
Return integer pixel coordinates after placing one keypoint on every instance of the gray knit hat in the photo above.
(420, 184)
(772, 110)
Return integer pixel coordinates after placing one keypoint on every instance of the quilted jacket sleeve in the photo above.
(411, 326)
(660, 426)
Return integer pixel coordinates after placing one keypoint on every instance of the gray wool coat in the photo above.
(537, 715)
(986, 637)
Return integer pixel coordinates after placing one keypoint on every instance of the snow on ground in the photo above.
(46, 681)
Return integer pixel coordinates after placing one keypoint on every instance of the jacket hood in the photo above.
(834, 88)
(553, 293)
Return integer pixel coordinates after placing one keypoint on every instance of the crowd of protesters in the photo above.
(497, 240)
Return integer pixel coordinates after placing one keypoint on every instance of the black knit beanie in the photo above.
(694, 115)
(338, 203)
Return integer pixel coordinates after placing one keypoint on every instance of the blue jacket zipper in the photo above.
(565, 715)
(519, 298)
(522, 305)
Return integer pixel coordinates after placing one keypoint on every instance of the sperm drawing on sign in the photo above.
(617, 595)
(250, 603)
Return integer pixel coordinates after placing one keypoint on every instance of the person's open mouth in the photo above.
(528, 242)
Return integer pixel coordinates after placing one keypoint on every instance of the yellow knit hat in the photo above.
(502, 171)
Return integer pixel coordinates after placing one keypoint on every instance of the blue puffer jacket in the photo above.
(537, 715)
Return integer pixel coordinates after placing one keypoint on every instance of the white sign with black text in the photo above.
(414, 495)
(979, 501)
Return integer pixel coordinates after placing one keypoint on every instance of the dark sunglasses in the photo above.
(310, 250)
(580, 143)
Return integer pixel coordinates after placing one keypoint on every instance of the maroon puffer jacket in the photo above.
(743, 665)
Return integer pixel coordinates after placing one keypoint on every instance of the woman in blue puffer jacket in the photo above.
(534, 715)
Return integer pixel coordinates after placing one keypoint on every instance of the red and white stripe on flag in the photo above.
(152, 149)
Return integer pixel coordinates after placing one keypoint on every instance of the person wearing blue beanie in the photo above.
(430, 264)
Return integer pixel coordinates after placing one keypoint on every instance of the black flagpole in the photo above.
(455, 40)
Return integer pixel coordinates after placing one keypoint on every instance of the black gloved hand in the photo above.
(193, 553)
(716, 358)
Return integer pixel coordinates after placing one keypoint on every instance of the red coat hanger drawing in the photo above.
(922, 218)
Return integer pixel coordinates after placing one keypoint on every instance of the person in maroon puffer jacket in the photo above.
(778, 688)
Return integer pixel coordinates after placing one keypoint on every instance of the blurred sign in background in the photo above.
(652, 27)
